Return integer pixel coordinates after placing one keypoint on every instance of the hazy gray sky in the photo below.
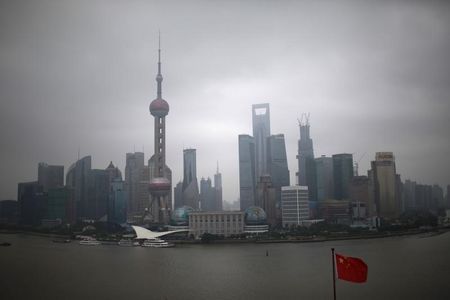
(374, 75)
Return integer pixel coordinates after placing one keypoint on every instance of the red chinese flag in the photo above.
(351, 268)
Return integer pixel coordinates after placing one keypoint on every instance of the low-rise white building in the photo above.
(224, 223)
(294, 205)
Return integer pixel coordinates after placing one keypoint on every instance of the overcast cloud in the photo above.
(374, 75)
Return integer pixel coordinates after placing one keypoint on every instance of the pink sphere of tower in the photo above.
(159, 108)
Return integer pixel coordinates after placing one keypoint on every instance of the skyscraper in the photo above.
(178, 195)
(191, 195)
(160, 185)
(32, 203)
(385, 180)
(206, 195)
(77, 178)
(266, 198)
(218, 190)
(261, 130)
(306, 165)
(342, 174)
(277, 166)
(324, 178)
(98, 195)
(134, 175)
(247, 176)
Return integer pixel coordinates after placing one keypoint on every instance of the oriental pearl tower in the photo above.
(160, 174)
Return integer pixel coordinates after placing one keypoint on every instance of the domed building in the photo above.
(255, 219)
(180, 218)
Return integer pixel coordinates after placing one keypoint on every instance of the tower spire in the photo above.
(159, 77)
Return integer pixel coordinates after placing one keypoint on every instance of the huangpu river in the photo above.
(409, 267)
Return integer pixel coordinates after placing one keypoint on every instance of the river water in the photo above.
(412, 267)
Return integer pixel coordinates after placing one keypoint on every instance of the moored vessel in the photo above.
(157, 243)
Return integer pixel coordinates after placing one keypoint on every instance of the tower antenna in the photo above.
(159, 77)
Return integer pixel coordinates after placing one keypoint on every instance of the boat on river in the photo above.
(157, 243)
(127, 243)
(90, 242)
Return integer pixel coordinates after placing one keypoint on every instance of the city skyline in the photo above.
(61, 96)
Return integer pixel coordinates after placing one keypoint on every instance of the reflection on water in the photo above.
(399, 268)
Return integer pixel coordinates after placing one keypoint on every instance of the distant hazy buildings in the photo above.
(223, 223)
(61, 205)
(277, 166)
(9, 212)
(324, 178)
(294, 205)
(335, 211)
(385, 182)
(206, 194)
(117, 206)
(218, 190)
(32, 203)
(266, 198)
(117, 198)
(261, 131)
(342, 174)
(247, 171)
(77, 178)
(178, 195)
(191, 195)
(306, 165)
(50, 176)
(360, 199)
(135, 176)
(211, 196)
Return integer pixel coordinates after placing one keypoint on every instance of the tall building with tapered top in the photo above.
(160, 185)
(306, 165)
(218, 189)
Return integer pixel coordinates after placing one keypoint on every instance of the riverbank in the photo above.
(300, 239)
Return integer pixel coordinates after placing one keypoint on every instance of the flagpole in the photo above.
(334, 274)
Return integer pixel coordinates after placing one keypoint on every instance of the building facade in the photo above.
(247, 169)
(134, 175)
(261, 131)
(306, 175)
(77, 178)
(385, 179)
(324, 178)
(225, 223)
(294, 205)
(266, 198)
(50, 176)
(191, 196)
(342, 175)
